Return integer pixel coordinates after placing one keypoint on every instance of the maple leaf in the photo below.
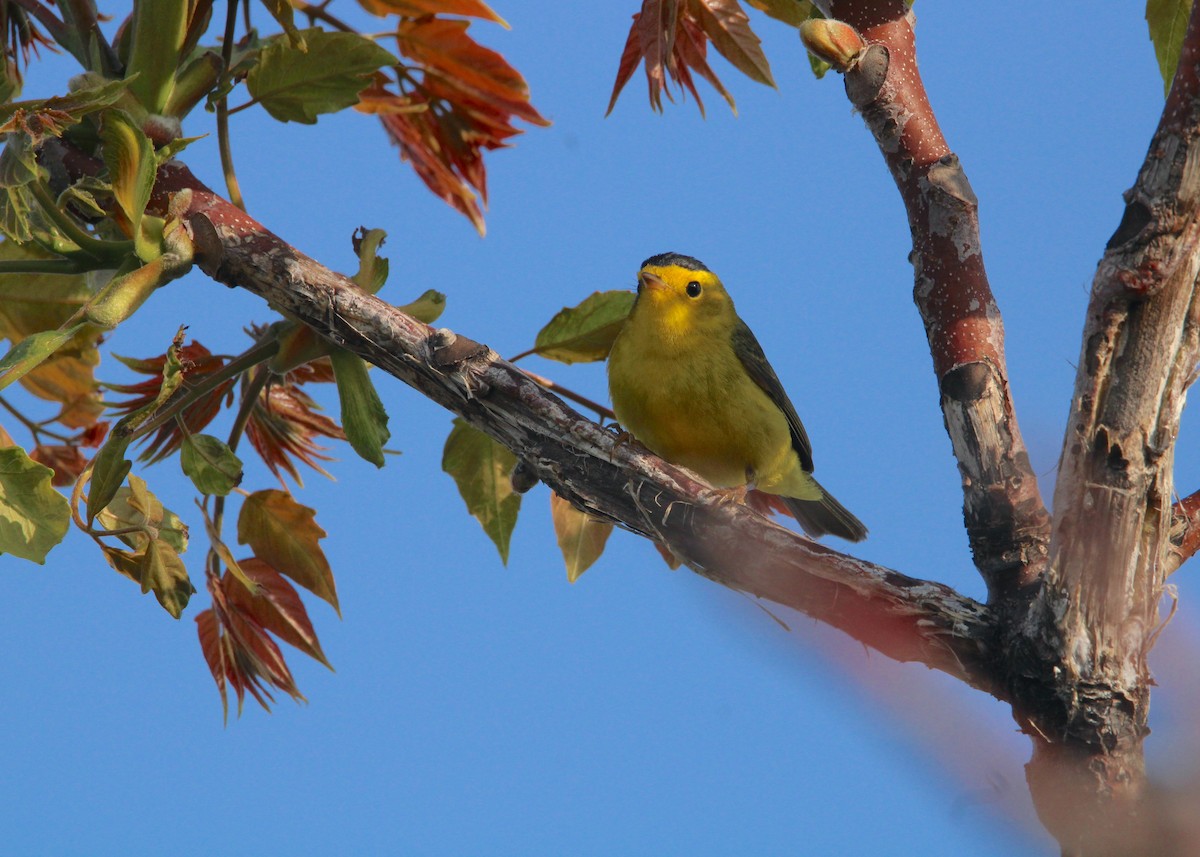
(197, 364)
(671, 37)
(454, 101)
(284, 423)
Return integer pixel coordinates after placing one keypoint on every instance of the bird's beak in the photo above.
(650, 281)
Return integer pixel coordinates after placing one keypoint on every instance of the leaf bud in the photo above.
(835, 42)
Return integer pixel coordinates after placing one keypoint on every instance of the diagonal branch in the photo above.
(904, 618)
(1006, 521)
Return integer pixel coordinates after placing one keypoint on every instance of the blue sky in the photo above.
(480, 710)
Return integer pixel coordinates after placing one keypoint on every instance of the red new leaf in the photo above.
(416, 8)
(283, 427)
(456, 100)
(276, 607)
(198, 363)
(671, 37)
(239, 651)
(724, 22)
(66, 461)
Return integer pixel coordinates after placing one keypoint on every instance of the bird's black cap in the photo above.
(663, 259)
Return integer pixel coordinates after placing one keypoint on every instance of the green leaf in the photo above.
(1168, 20)
(32, 351)
(298, 86)
(33, 516)
(286, 536)
(63, 110)
(364, 419)
(818, 66)
(210, 464)
(427, 308)
(128, 509)
(481, 468)
(163, 571)
(132, 168)
(109, 469)
(282, 12)
(159, 30)
(372, 268)
(585, 333)
(21, 218)
(793, 12)
(581, 538)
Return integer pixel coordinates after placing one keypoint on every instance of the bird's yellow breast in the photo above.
(683, 392)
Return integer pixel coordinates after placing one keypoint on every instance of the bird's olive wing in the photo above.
(751, 354)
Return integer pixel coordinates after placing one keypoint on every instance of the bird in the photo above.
(689, 381)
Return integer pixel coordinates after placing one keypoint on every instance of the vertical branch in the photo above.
(1110, 548)
(1006, 521)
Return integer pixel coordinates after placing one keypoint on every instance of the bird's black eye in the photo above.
(693, 289)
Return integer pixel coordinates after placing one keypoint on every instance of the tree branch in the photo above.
(904, 618)
(1006, 521)
(1110, 549)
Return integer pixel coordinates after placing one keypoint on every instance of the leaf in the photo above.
(585, 333)
(581, 538)
(284, 424)
(181, 366)
(729, 29)
(285, 536)
(298, 86)
(427, 308)
(480, 467)
(673, 562)
(33, 516)
(164, 572)
(157, 33)
(1167, 20)
(372, 268)
(793, 12)
(655, 26)
(464, 104)
(364, 419)
(125, 511)
(210, 464)
(109, 469)
(65, 460)
(124, 562)
(276, 607)
(671, 36)
(49, 117)
(34, 303)
(132, 168)
(443, 45)
(213, 647)
(631, 58)
(284, 14)
(417, 8)
(32, 351)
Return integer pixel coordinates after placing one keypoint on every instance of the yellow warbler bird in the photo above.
(689, 380)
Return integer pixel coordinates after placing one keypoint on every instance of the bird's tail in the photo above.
(826, 516)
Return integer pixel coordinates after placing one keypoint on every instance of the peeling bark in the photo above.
(1111, 549)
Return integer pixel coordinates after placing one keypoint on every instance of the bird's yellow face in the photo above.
(682, 301)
